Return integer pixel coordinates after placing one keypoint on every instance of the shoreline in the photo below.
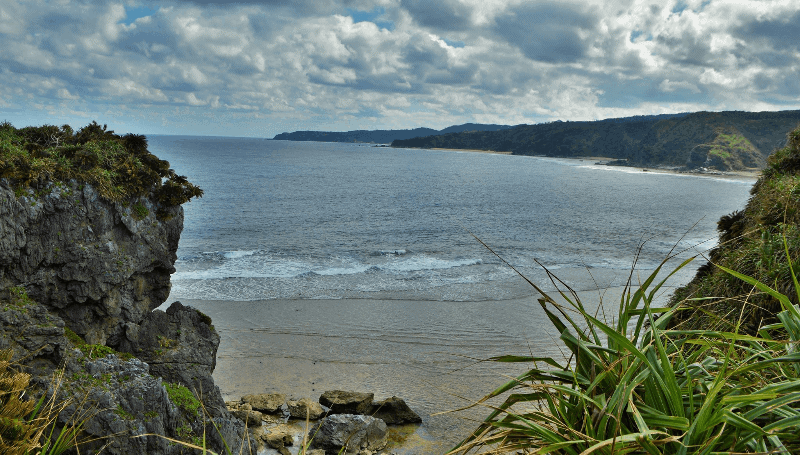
(753, 174)
(426, 352)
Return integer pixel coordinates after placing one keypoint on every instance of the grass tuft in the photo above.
(636, 386)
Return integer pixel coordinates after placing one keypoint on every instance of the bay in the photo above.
(345, 266)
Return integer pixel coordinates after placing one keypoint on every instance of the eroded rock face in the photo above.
(100, 269)
(35, 337)
(98, 265)
(180, 345)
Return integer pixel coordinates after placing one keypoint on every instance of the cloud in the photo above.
(439, 15)
(309, 65)
(549, 32)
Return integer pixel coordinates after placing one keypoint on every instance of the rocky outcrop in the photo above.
(123, 400)
(98, 265)
(116, 399)
(34, 336)
(71, 261)
(355, 433)
(180, 345)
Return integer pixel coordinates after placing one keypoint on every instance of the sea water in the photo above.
(346, 266)
(284, 220)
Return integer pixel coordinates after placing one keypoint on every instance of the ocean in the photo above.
(347, 266)
(283, 220)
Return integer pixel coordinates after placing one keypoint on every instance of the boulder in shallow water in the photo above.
(269, 403)
(278, 436)
(248, 416)
(341, 402)
(305, 408)
(394, 411)
(353, 432)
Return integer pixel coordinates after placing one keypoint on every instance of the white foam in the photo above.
(247, 267)
(343, 270)
(237, 254)
(426, 263)
(397, 252)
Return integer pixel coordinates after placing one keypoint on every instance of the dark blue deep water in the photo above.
(310, 220)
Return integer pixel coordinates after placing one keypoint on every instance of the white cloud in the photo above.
(309, 65)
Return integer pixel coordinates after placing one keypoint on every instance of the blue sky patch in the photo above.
(452, 43)
(133, 13)
(637, 33)
(371, 16)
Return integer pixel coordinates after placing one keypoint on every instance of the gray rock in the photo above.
(394, 411)
(95, 267)
(279, 436)
(87, 260)
(354, 432)
(121, 401)
(305, 408)
(35, 338)
(248, 416)
(341, 402)
(180, 345)
(269, 403)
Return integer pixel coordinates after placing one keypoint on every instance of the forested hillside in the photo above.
(718, 140)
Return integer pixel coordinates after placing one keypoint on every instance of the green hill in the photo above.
(381, 136)
(716, 140)
(752, 242)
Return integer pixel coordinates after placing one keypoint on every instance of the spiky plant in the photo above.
(635, 387)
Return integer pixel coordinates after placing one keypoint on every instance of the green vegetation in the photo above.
(19, 297)
(28, 426)
(73, 337)
(752, 243)
(140, 212)
(636, 386)
(93, 351)
(716, 372)
(734, 140)
(183, 398)
(118, 167)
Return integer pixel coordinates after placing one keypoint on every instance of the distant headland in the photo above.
(382, 136)
(695, 142)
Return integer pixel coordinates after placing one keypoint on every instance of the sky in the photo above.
(259, 68)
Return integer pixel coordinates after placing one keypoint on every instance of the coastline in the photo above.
(285, 346)
(750, 174)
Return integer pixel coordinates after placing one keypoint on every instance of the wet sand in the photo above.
(426, 352)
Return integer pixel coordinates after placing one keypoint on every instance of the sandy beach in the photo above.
(424, 352)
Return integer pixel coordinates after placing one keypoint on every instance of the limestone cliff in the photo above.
(98, 265)
(89, 229)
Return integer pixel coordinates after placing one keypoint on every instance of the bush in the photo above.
(119, 167)
(637, 387)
